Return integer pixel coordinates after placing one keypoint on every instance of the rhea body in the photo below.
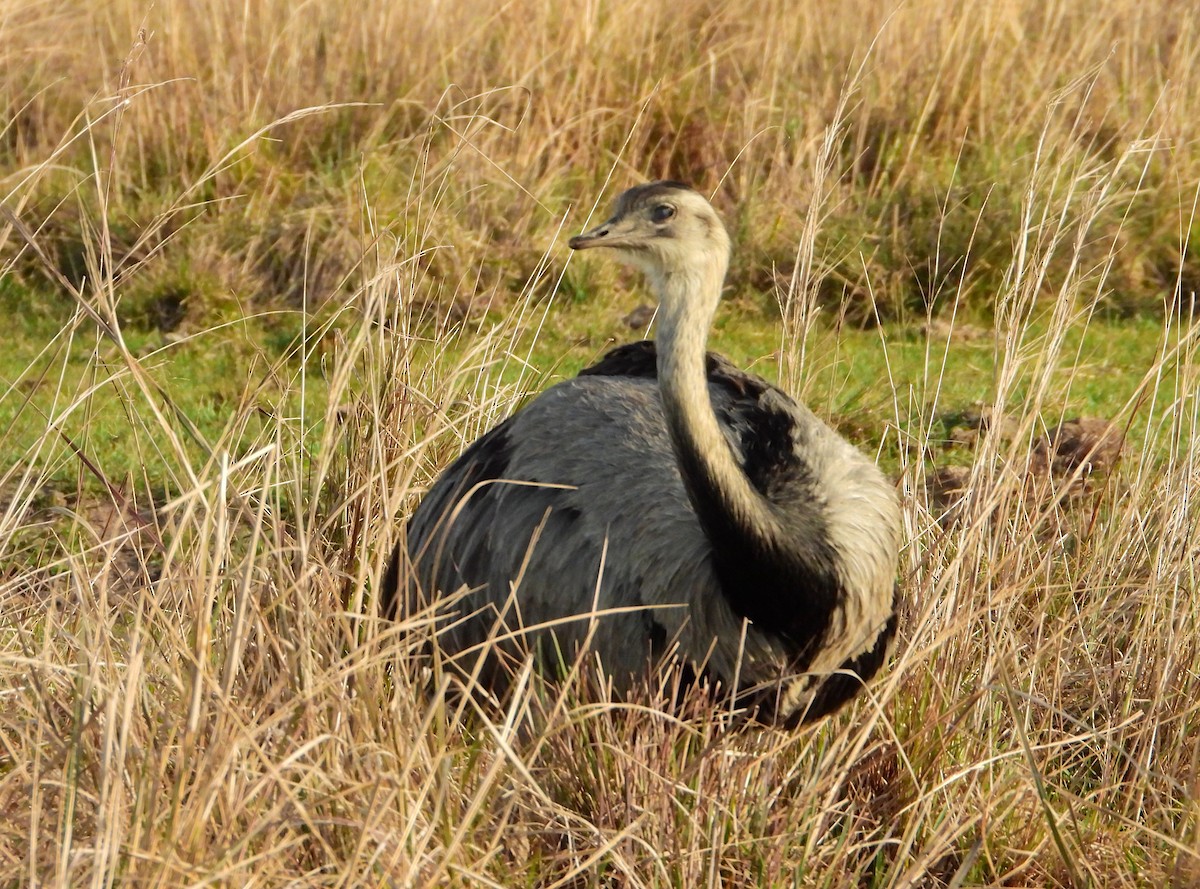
(664, 503)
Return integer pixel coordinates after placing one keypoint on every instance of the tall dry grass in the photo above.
(945, 110)
(201, 690)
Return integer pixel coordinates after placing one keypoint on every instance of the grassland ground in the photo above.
(265, 268)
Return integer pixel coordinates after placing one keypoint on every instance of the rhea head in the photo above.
(665, 229)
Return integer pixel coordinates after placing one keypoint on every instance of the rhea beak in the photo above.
(617, 232)
(597, 237)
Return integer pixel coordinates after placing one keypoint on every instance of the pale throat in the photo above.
(688, 300)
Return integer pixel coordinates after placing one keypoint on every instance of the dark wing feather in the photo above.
(640, 359)
(486, 459)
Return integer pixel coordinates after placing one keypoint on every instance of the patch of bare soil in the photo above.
(1064, 464)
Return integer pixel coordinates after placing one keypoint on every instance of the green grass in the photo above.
(851, 377)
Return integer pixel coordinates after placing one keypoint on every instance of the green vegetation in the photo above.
(266, 267)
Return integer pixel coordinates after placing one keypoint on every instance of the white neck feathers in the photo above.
(688, 301)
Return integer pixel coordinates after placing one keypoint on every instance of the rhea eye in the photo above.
(662, 212)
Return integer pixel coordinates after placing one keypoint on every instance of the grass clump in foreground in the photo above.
(201, 481)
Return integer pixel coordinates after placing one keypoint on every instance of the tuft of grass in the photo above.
(268, 268)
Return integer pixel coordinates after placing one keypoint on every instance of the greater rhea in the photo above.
(662, 504)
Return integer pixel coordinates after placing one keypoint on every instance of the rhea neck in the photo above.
(772, 566)
(724, 499)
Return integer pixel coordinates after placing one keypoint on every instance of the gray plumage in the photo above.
(664, 502)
